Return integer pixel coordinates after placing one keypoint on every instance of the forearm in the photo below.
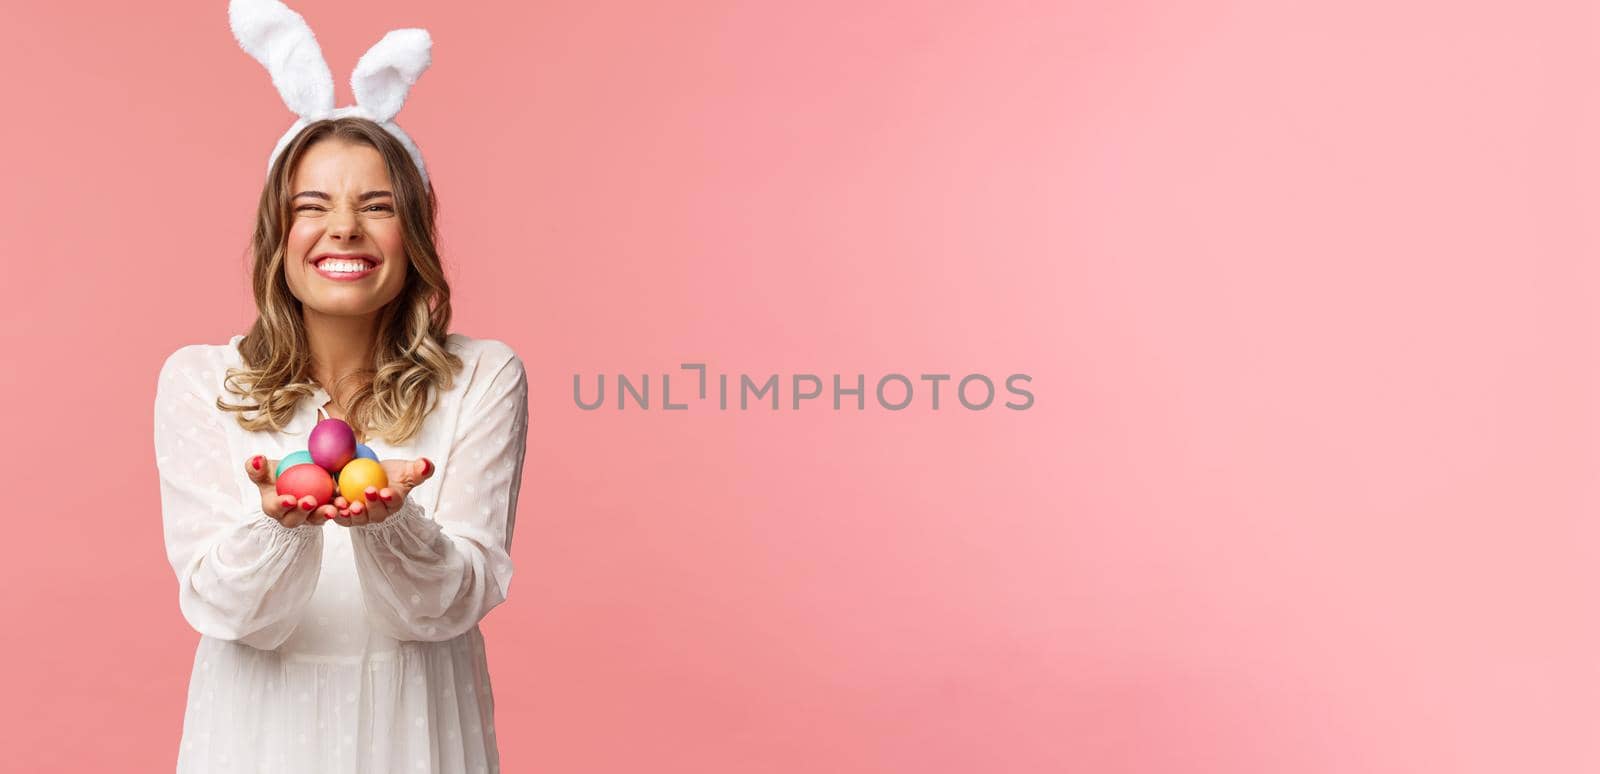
(425, 583)
(251, 581)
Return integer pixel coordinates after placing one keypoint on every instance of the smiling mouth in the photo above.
(351, 268)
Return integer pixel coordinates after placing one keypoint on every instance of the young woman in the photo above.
(342, 638)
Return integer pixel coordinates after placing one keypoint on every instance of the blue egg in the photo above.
(364, 452)
(301, 457)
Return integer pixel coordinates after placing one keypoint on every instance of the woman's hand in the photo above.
(283, 507)
(403, 475)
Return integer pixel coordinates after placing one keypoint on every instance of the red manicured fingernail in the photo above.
(386, 498)
(256, 461)
(427, 466)
(287, 502)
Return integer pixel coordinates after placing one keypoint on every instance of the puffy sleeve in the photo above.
(432, 576)
(242, 575)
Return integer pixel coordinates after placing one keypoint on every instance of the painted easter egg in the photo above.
(336, 478)
(307, 480)
(332, 444)
(365, 452)
(357, 476)
(301, 457)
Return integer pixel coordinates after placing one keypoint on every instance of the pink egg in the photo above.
(332, 444)
(305, 479)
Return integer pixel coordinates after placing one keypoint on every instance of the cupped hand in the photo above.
(288, 511)
(403, 475)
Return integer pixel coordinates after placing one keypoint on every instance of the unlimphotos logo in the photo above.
(894, 392)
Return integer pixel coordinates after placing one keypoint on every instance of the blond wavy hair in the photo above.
(411, 365)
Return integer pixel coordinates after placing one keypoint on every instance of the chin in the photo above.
(346, 307)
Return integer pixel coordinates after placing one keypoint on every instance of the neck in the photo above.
(340, 346)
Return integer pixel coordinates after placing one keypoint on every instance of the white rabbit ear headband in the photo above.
(282, 42)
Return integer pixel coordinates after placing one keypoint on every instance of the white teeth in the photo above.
(342, 267)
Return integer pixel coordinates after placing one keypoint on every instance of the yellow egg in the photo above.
(357, 475)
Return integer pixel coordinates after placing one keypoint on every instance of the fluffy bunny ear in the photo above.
(282, 42)
(386, 72)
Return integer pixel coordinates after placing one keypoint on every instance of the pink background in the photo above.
(1307, 294)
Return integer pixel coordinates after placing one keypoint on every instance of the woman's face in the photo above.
(344, 219)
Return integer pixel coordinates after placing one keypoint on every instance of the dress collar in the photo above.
(307, 414)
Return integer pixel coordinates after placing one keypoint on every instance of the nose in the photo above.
(343, 225)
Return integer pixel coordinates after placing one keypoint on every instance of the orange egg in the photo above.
(357, 475)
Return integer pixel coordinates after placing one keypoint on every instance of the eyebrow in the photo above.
(321, 195)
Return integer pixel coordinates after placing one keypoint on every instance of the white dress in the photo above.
(340, 649)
